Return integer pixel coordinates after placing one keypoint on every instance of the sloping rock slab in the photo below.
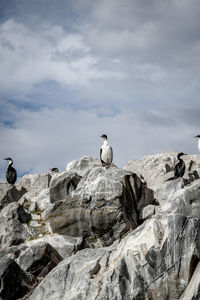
(106, 203)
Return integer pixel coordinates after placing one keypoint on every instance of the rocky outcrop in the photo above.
(156, 169)
(104, 206)
(96, 233)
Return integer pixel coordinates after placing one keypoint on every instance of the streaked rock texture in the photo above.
(104, 206)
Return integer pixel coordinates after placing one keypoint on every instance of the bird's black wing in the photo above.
(111, 154)
(103, 163)
(11, 175)
(179, 169)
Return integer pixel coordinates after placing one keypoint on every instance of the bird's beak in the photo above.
(5, 159)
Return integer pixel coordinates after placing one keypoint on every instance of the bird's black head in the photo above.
(197, 136)
(180, 154)
(8, 158)
(104, 136)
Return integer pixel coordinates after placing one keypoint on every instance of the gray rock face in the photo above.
(83, 165)
(155, 261)
(9, 194)
(115, 239)
(62, 185)
(15, 283)
(106, 204)
(14, 229)
(35, 182)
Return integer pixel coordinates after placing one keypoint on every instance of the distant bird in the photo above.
(179, 169)
(198, 136)
(54, 170)
(11, 173)
(106, 152)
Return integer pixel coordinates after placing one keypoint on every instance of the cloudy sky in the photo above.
(73, 70)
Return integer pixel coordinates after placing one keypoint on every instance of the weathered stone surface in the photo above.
(83, 165)
(148, 211)
(157, 168)
(187, 200)
(61, 186)
(14, 229)
(15, 283)
(106, 203)
(10, 193)
(33, 182)
(156, 261)
(39, 259)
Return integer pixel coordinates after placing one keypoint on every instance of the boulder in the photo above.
(105, 205)
(39, 259)
(83, 165)
(9, 193)
(15, 283)
(14, 229)
(62, 185)
(33, 182)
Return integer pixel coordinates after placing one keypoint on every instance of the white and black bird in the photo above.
(179, 169)
(11, 173)
(106, 152)
(198, 136)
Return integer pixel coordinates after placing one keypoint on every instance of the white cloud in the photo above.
(29, 57)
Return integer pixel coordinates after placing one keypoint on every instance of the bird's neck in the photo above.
(10, 163)
(105, 143)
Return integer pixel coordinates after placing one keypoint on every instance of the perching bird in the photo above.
(106, 152)
(198, 136)
(11, 173)
(179, 169)
(54, 170)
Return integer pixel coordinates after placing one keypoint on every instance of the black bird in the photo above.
(54, 170)
(11, 173)
(179, 169)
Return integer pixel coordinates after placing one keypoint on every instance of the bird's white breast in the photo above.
(199, 144)
(106, 154)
